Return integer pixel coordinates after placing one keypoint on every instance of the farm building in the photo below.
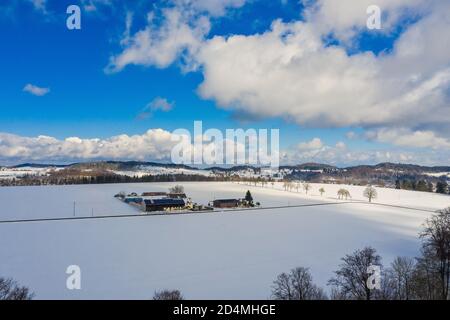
(132, 200)
(177, 195)
(226, 203)
(164, 194)
(163, 204)
(154, 194)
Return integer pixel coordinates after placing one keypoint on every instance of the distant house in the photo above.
(226, 203)
(177, 195)
(154, 194)
(163, 204)
(164, 194)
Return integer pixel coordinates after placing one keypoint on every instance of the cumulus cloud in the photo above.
(344, 19)
(161, 45)
(314, 144)
(93, 5)
(157, 104)
(158, 145)
(341, 155)
(407, 138)
(178, 30)
(289, 72)
(35, 90)
(155, 144)
(215, 7)
(351, 135)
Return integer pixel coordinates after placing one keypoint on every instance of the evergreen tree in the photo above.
(441, 187)
(421, 186)
(248, 197)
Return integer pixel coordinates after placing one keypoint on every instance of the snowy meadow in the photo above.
(217, 255)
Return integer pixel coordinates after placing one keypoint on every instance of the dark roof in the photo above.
(164, 202)
(177, 195)
(226, 200)
(152, 194)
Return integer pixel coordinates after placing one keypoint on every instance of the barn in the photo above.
(226, 203)
(163, 204)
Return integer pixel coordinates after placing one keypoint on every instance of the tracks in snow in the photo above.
(216, 211)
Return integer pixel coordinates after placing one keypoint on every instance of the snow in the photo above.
(155, 170)
(14, 173)
(220, 255)
(438, 174)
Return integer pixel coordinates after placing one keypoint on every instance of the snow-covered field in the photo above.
(14, 173)
(232, 255)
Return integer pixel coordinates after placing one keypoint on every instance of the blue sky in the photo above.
(86, 100)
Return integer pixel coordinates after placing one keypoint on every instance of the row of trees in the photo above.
(102, 179)
(11, 290)
(426, 277)
(422, 185)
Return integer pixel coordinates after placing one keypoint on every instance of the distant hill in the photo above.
(381, 174)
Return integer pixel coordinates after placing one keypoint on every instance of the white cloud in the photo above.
(157, 104)
(289, 72)
(341, 155)
(346, 18)
(161, 45)
(35, 90)
(93, 5)
(155, 144)
(177, 30)
(314, 144)
(215, 7)
(351, 135)
(406, 138)
(39, 4)
(341, 145)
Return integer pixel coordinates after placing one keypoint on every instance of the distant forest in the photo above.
(102, 179)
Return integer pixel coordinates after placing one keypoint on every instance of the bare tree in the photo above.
(297, 285)
(436, 238)
(168, 295)
(400, 277)
(282, 288)
(177, 189)
(351, 280)
(370, 193)
(11, 290)
(343, 193)
(322, 191)
(426, 282)
(306, 187)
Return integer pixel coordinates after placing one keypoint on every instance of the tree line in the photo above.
(422, 185)
(103, 179)
(426, 277)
